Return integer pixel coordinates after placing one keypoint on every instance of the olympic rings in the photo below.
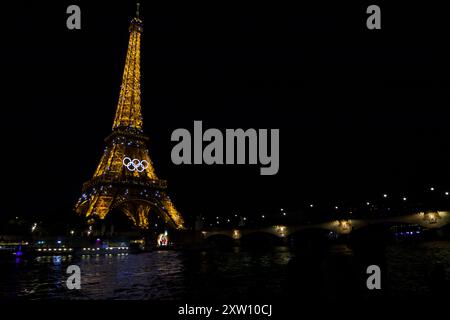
(135, 164)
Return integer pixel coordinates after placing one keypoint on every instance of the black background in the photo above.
(360, 112)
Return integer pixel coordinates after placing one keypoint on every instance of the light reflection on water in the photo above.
(168, 275)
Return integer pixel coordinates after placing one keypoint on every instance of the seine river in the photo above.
(215, 275)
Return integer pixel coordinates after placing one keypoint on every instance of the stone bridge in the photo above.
(429, 220)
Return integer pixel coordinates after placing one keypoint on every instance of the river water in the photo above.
(209, 275)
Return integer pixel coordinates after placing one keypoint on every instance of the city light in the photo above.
(385, 195)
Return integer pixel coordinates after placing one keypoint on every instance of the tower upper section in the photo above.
(128, 114)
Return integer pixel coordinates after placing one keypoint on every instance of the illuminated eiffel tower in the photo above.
(125, 178)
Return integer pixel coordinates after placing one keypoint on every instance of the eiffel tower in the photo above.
(125, 178)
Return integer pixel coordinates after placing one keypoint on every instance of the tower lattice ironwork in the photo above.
(125, 178)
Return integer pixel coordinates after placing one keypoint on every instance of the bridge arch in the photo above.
(260, 239)
(220, 240)
(310, 239)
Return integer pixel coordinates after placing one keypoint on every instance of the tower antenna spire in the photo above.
(137, 9)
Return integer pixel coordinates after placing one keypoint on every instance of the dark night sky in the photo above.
(360, 112)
